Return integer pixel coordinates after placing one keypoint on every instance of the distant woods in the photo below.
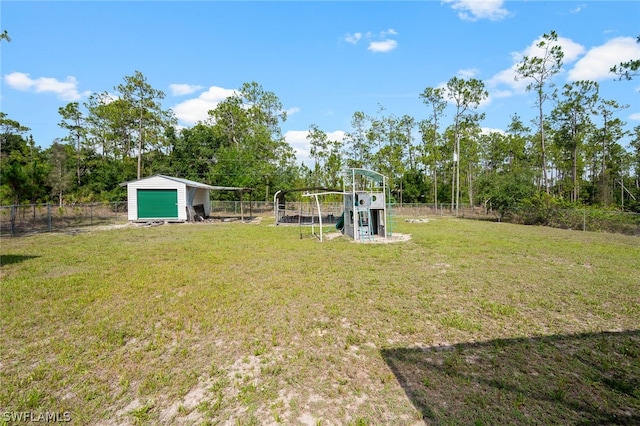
(572, 154)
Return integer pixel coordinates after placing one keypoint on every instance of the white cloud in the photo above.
(595, 65)
(291, 111)
(635, 116)
(382, 46)
(489, 130)
(19, 81)
(353, 38)
(181, 89)
(297, 139)
(66, 90)
(501, 94)
(570, 48)
(578, 8)
(376, 44)
(105, 98)
(588, 65)
(193, 110)
(468, 73)
(338, 136)
(473, 10)
(507, 77)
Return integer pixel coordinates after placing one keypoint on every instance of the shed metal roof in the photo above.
(192, 183)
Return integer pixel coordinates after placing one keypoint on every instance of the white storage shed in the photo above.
(162, 197)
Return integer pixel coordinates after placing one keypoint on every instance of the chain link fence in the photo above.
(579, 219)
(442, 209)
(576, 219)
(235, 208)
(32, 218)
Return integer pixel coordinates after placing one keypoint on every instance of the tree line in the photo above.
(571, 153)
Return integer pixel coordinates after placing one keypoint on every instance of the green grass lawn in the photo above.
(469, 322)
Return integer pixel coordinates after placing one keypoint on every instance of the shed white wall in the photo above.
(156, 182)
(202, 197)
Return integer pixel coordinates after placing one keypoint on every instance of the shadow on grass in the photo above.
(8, 259)
(580, 379)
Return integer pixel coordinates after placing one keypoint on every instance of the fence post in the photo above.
(90, 214)
(49, 217)
(584, 220)
(13, 220)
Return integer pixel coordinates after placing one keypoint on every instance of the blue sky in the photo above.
(324, 60)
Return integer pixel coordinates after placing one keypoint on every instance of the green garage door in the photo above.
(157, 203)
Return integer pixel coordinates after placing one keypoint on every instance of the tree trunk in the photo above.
(453, 183)
(435, 187)
(470, 180)
(542, 145)
(140, 147)
(78, 159)
(457, 174)
(574, 173)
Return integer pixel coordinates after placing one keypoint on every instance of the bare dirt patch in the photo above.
(394, 238)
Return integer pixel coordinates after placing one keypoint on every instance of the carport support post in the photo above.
(319, 216)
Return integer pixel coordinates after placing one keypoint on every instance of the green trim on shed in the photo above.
(157, 203)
